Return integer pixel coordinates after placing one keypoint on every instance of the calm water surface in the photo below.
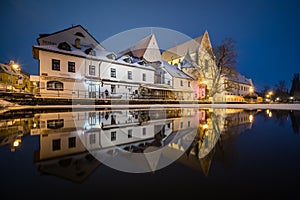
(224, 152)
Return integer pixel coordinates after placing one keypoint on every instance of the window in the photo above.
(206, 64)
(113, 119)
(113, 136)
(72, 142)
(189, 123)
(111, 56)
(55, 123)
(92, 138)
(92, 70)
(129, 74)
(71, 66)
(55, 64)
(181, 83)
(56, 145)
(189, 84)
(64, 46)
(92, 118)
(181, 124)
(55, 85)
(169, 82)
(113, 89)
(130, 133)
(113, 73)
(144, 131)
(144, 77)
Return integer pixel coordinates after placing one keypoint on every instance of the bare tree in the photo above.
(281, 90)
(217, 67)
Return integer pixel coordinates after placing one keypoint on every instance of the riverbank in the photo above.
(155, 105)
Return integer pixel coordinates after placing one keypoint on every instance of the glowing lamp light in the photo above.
(251, 89)
(205, 126)
(251, 118)
(17, 143)
(16, 66)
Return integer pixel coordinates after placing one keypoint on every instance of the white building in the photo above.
(73, 64)
(169, 81)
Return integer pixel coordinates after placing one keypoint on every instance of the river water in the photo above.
(138, 153)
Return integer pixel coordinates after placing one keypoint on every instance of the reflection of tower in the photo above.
(295, 118)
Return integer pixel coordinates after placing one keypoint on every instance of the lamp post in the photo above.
(14, 67)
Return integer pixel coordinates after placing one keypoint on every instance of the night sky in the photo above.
(266, 32)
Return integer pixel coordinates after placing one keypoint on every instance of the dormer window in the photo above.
(111, 56)
(64, 46)
(90, 51)
(79, 34)
(128, 60)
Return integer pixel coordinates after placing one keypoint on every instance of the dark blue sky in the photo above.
(267, 32)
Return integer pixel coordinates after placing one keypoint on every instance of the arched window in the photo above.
(55, 85)
(55, 123)
(111, 56)
(79, 34)
(64, 46)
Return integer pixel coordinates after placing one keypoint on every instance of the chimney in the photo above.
(77, 43)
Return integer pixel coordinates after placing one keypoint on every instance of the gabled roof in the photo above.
(146, 49)
(191, 46)
(69, 35)
(180, 50)
(188, 62)
(174, 71)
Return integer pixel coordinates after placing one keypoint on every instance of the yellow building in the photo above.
(13, 79)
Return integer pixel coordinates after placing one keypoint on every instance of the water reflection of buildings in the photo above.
(215, 125)
(65, 137)
(12, 131)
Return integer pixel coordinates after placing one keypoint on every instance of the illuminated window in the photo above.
(55, 123)
(55, 85)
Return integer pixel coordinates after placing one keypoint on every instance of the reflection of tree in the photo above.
(280, 116)
(295, 118)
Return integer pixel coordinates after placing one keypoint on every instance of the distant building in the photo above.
(14, 79)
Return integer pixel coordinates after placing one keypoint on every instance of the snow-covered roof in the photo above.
(180, 50)
(7, 69)
(99, 53)
(146, 49)
(70, 35)
(174, 71)
(241, 79)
